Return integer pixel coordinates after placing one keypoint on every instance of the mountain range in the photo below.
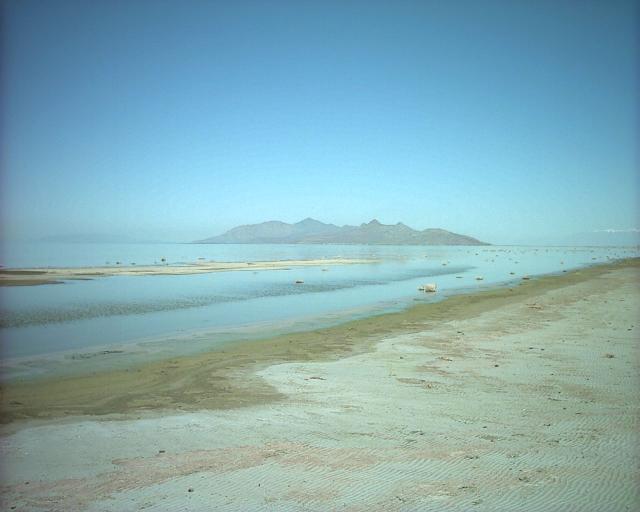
(311, 231)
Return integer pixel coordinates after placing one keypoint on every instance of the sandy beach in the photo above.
(521, 398)
(38, 276)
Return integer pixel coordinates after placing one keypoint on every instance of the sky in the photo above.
(510, 121)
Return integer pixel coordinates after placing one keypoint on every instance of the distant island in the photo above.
(311, 231)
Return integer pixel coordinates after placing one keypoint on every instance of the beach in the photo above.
(514, 398)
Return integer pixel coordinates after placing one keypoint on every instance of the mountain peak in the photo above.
(308, 220)
(374, 222)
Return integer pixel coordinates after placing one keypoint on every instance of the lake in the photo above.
(121, 320)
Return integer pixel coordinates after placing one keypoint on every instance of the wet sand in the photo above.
(511, 399)
(38, 276)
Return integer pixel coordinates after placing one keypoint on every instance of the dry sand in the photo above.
(499, 401)
(37, 276)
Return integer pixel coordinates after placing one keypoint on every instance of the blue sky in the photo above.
(511, 121)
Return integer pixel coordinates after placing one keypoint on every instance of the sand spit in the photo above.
(37, 276)
(499, 401)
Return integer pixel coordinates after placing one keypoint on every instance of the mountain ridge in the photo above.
(312, 231)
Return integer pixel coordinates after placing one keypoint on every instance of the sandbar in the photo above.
(38, 276)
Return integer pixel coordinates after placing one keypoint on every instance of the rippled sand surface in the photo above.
(503, 402)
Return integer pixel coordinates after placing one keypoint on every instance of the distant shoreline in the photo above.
(40, 276)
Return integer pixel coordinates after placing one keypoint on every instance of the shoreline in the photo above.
(227, 378)
(275, 330)
(40, 276)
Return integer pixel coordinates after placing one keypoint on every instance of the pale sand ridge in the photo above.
(37, 276)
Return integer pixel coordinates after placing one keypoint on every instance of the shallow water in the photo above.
(183, 314)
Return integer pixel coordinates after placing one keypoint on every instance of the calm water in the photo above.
(54, 327)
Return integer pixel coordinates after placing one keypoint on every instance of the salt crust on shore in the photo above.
(532, 406)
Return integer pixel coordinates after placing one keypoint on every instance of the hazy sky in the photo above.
(512, 121)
